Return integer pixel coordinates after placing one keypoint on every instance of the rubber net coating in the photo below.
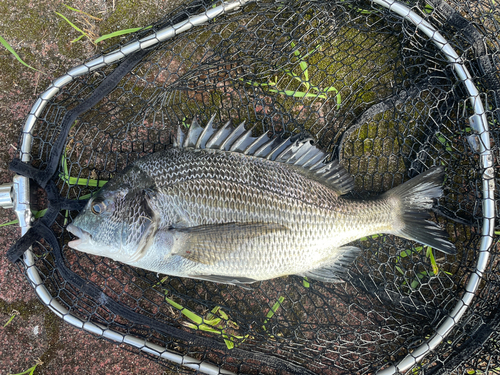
(378, 95)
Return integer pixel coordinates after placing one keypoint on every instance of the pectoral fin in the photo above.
(209, 244)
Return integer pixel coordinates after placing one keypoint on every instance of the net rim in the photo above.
(478, 122)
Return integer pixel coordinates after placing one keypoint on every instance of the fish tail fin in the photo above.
(413, 199)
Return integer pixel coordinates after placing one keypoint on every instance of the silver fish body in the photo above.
(226, 207)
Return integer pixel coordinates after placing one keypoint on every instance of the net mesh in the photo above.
(374, 92)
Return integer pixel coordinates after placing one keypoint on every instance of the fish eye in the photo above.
(97, 207)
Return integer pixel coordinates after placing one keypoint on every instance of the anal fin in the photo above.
(231, 280)
(332, 270)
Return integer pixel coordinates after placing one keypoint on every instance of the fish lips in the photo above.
(84, 237)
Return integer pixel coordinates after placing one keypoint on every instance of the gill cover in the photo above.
(150, 223)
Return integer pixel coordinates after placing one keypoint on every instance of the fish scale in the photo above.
(223, 206)
(264, 176)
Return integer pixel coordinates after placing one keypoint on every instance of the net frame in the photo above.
(478, 123)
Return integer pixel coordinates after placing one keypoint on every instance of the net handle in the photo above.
(478, 123)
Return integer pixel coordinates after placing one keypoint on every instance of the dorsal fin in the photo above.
(301, 153)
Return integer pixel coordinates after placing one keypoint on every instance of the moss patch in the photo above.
(25, 309)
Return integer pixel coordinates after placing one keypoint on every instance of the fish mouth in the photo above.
(84, 236)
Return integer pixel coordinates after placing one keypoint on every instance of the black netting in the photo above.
(377, 94)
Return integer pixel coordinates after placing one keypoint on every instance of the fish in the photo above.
(221, 205)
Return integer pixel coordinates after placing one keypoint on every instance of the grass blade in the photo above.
(271, 312)
(428, 9)
(83, 197)
(256, 84)
(9, 223)
(304, 66)
(405, 253)
(83, 182)
(434, 265)
(14, 314)
(11, 50)
(275, 308)
(77, 181)
(201, 327)
(339, 98)
(399, 270)
(65, 165)
(39, 214)
(229, 343)
(10, 320)
(305, 282)
(77, 39)
(81, 11)
(188, 313)
(120, 32)
(71, 24)
(29, 371)
(373, 236)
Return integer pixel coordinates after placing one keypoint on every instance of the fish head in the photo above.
(117, 222)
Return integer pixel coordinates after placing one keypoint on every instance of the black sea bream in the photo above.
(223, 206)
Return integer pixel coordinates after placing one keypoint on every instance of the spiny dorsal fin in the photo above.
(301, 153)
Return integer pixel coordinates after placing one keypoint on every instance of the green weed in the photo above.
(31, 370)
(81, 11)
(373, 237)
(15, 221)
(11, 50)
(309, 90)
(444, 141)
(422, 274)
(89, 32)
(479, 372)
(64, 175)
(185, 123)
(216, 321)
(74, 27)
(36, 214)
(273, 310)
(14, 314)
(305, 282)
(359, 10)
(428, 9)
(119, 33)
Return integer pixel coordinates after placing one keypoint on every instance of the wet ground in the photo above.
(43, 40)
